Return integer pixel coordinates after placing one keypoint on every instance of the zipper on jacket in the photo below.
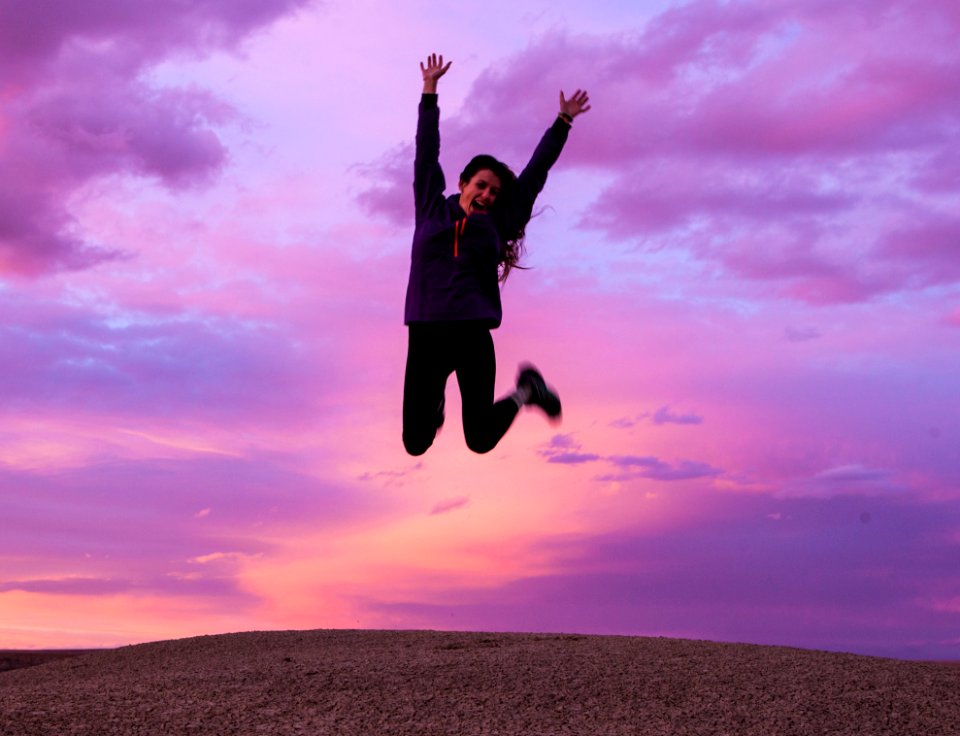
(458, 229)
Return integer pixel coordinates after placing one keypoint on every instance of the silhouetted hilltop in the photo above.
(447, 683)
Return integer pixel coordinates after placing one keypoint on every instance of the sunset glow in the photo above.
(744, 282)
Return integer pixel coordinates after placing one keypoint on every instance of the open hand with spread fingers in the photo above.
(432, 71)
(578, 103)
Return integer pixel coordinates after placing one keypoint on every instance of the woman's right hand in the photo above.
(433, 70)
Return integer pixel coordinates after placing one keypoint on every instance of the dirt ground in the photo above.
(439, 683)
(15, 659)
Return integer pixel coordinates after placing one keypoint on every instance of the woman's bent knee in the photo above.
(416, 446)
(480, 446)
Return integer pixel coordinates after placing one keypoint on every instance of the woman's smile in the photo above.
(479, 194)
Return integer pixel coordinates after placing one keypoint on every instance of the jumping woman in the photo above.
(464, 246)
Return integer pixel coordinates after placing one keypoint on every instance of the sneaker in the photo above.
(540, 394)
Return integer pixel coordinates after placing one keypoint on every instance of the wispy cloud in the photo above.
(565, 450)
(68, 586)
(573, 458)
(663, 415)
(853, 479)
(657, 469)
(451, 504)
(389, 477)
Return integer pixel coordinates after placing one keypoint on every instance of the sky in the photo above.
(744, 282)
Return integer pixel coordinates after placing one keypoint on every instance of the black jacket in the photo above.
(454, 259)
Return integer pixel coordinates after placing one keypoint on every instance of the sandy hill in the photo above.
(408, 682)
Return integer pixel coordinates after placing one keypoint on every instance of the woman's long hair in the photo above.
(509, 222)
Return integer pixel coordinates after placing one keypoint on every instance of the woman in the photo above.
(464, 245)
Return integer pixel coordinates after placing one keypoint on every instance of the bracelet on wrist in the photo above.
(566, 117)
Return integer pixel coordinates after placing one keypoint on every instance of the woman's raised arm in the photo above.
(428, 181)
(534, 175)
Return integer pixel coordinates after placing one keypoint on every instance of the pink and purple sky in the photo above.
(745, 284)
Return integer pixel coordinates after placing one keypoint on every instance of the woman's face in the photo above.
(479, 194)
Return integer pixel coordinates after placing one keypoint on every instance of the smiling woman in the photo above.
(462, 246)
(480, 183)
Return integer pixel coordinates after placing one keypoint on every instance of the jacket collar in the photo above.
(455, 209)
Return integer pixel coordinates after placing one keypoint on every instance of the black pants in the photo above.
(435, 350)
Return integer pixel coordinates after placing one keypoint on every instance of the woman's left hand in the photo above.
(577, 104)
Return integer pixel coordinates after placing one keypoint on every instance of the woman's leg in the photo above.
(428, 366)
(484, 422)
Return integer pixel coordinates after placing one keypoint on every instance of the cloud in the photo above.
(676, 193)
(77, 105)
(941, 174)
(68, 586)
(390, 191)
(931, 248)
(146, 509)
(71, 359)
(35, 33)
(801, 334)
(776, 145)
(562, 442)
(573, 458)
(563, 449)
(451, 504)
(855, 479)
(656, 469)
(130, 527)
(229, 557)
(392, 477)
(663, 415)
